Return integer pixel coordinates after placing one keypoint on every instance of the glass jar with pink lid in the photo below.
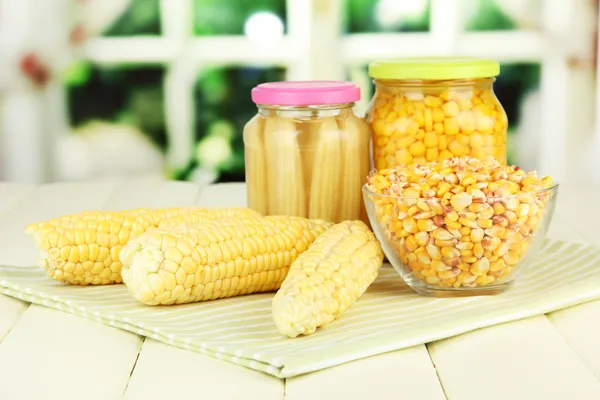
(306, 151)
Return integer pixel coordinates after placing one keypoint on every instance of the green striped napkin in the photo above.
(388, 317)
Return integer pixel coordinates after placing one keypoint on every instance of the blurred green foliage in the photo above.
(227, 17)
(360, 17)
(141, 18)
(130, 95)
(486, 16)
(134, 93)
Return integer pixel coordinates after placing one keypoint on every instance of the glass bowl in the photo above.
(440, 251)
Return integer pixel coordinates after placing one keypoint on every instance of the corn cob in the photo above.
(355, 167)
(326, 173)
(216, 259)
(84, 248)
(308, 139)
(327, 279)
(256, 167)
(286, 195)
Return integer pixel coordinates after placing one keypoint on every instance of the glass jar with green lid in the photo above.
(429, 109)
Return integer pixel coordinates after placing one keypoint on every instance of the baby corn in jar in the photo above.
(430, 109)
(306, 152)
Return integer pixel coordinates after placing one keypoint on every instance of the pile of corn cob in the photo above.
(188, 254)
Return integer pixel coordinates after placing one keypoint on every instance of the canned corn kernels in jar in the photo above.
(429, 109)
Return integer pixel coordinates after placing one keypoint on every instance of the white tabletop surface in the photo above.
(48, 354)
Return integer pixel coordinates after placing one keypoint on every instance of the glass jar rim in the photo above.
(429, 83)
(434, 68)
(539, 192)
(301, 93)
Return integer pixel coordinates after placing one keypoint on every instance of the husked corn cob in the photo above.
(326, 173)
(84, 248)
(327, 279)
(256, 164)
(308, 139)
(216, 259)
(286, 195)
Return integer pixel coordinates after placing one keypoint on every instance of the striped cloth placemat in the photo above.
(387, 318)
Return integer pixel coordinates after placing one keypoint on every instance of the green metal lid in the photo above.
(434, 68)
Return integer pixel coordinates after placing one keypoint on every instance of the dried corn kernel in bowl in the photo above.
(459, 226)
(429, 109)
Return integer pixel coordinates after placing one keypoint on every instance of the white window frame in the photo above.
(314, 48)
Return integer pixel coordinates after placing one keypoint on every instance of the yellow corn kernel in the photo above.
(442, 234)
(461, 201)
(317, 281)
(464, 245)
(485, 223)
(426, 225)
(442, 142)
(417, 149)
(477, 235)
(211, 254)
(465, 231)
(403, 157)
(428, 119)
(431, 154)
(480, 267)
(452, 224)
(468, 222)
(451, 109)
(458, 149)
(450, 252)
(431, 139)
(422, 238)
(478, 250)
(451, 127)
(466, 253)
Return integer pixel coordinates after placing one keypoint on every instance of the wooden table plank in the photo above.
(153, 192)
(580, 327)
(164, 372)
(224, 195)
(11, 193)
(64, 355)
(406, 374)
(50, 354)
(526, 359)
(578, 204)
(218, 378)
(11, 309)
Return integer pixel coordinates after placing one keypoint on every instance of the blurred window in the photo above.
(218, 65)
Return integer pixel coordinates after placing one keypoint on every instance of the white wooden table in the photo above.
(48, 354)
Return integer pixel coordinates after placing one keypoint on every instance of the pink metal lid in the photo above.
(301, 93)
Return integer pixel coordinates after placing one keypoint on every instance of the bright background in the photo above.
(100, 88)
